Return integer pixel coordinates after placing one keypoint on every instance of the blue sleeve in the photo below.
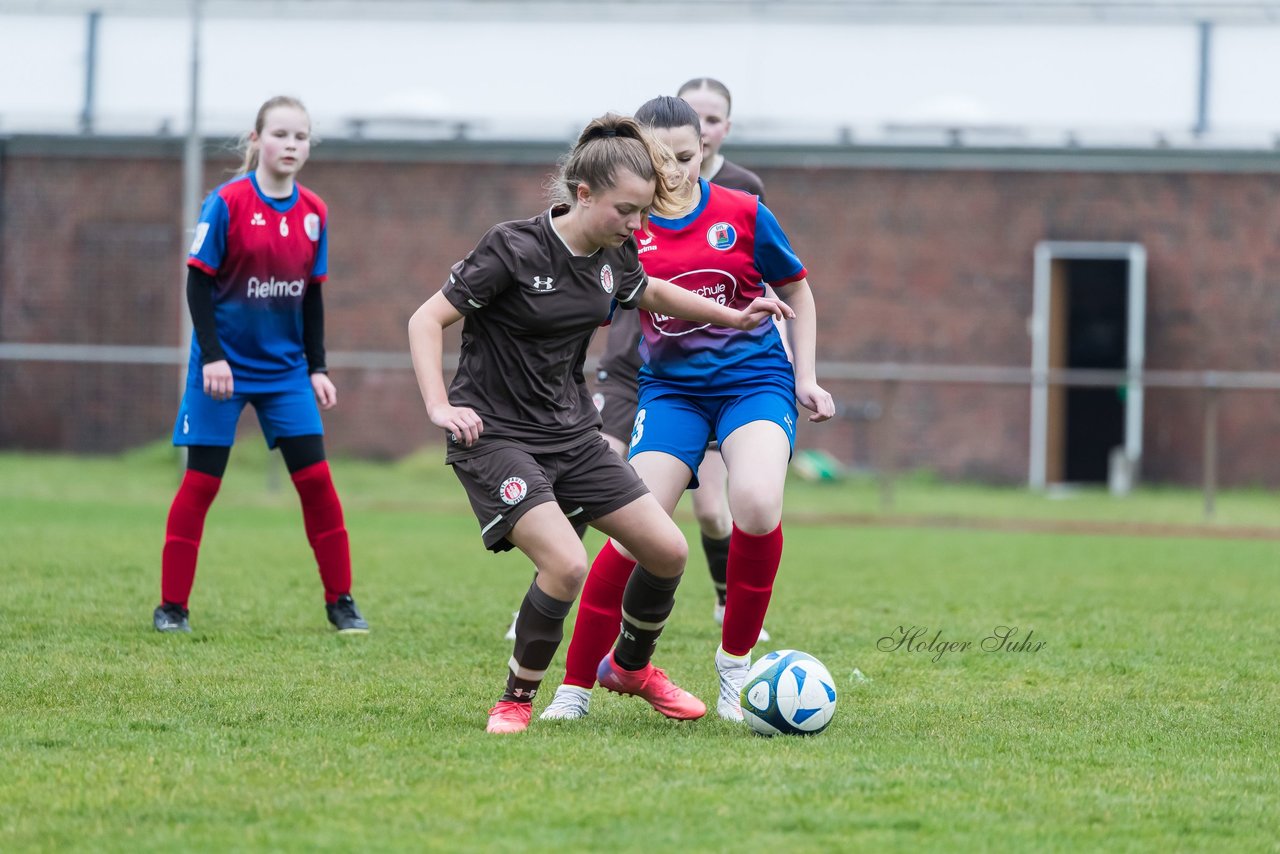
(321, 268)
(775, 259)
(209, 246)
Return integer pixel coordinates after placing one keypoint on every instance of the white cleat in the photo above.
(733, 675)
(718, 615)
(511, 632)
(569, 704)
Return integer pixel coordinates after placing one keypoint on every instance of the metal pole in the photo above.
(1202, 87)
(90, 71)
(192, 179)
(1210, 450)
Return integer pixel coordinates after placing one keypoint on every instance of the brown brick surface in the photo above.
(911, 266)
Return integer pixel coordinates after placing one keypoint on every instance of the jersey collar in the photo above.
(676, 224)
(281, 205)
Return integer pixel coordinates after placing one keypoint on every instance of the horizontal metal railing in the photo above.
(888, 374)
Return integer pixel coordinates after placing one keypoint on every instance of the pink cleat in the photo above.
(509, 716)
(652, 685)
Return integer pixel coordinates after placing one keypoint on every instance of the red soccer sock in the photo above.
(182, 535)
(753, 564)
(326, 530)
(599, 616)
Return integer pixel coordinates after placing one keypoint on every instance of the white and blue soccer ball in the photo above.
(788, 693)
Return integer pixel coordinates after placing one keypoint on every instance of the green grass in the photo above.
(1146, 722)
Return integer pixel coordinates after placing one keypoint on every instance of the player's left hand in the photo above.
(816, 399)
(762, 307)
(326, 391)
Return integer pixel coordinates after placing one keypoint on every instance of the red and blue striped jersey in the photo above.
(263, 254)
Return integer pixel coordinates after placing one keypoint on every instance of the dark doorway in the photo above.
(1097, 322)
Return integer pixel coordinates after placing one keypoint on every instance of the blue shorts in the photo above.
(205, 421)
(673, 421)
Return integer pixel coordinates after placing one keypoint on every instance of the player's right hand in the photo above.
(461, 423)
(218, 383)
(762, 307)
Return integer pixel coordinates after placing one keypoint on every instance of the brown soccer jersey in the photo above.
(531, 307)
(735, 177)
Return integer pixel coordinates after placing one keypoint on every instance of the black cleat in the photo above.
(171, 618)
(345, 616)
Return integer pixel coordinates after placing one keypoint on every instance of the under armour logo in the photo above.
(257, 219)
(542, 284)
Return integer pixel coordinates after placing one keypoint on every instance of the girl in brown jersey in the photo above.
(616, 381)
(524, 437)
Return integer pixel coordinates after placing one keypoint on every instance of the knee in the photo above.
(758, 514)
(708, 508)
(669, 555)
(566, 573)
(713, 519)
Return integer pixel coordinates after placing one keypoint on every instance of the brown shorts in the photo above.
(587, 481)
(617, 407)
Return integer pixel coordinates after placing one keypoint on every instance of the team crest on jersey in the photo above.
(311, 225)
(513, 490)
(202, 231)
(606, 278)
(721, 236)
(257, 219)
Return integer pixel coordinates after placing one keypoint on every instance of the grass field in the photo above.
(1147, 721)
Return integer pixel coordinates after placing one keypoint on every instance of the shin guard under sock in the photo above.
(326, 530)
(182, 535)
(539, 629)
(599, 615)
(646, 605)
(753, 565)
(717, 552)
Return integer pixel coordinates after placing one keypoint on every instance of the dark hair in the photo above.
(668, 111)
(614, 143)
(709, 83)
(246, 146)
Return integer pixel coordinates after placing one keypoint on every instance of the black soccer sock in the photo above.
(717, 552)
(646, 604)
(539, 630)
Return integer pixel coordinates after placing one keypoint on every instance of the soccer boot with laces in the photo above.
(732, 671)
(346, 617)
(652, 685)
(509, 716)
(569, 704)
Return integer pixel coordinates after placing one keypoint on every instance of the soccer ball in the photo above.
(788, 693)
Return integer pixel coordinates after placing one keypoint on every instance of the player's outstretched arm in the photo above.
(662, 297)
(804, 345)
(426, 345)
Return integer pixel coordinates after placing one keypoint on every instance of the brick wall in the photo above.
(911, 265)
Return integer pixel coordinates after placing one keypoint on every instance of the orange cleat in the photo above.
(509, 716)
(651, 684)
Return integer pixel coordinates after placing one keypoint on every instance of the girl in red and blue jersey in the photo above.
(700, 383)
(255, 267)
